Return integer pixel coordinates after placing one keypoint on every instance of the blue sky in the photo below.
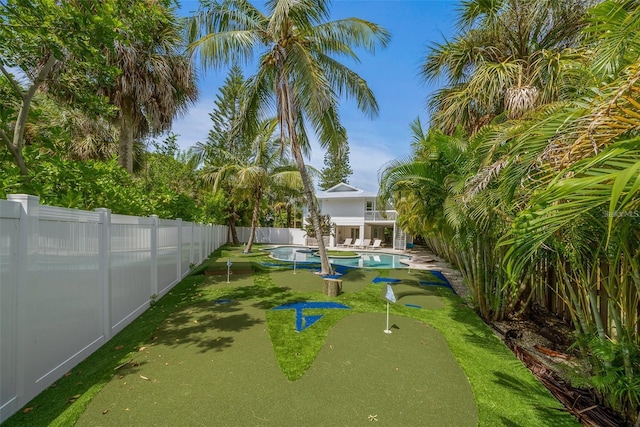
(392, 73)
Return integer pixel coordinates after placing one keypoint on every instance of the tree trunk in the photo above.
(16, 153)
(286, 115)
(232, 226)
(15, 147)
(125, 146)
(254, 220)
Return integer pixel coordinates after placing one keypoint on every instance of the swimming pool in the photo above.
(365, 260)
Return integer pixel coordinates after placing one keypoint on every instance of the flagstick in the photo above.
(228, 269)
(387, 331)
(294, 263)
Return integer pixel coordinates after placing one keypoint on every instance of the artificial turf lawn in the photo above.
(193, 361)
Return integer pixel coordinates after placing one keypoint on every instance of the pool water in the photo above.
(365, 260)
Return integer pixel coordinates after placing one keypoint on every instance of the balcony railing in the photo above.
(378, 216)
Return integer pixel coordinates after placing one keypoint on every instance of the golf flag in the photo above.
(390, 296)
(228, 262)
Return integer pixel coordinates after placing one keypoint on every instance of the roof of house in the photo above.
(344, 191)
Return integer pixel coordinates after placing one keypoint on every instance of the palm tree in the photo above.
(509, 57)
(156, 82)
(582, 214)
(297, 74)
(253, 175)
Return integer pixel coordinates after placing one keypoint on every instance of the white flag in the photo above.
(228, 262)
(390, 296)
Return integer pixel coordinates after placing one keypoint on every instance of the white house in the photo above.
(357, 215)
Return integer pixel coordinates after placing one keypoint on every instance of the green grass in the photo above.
(192, 354)
(342, 254)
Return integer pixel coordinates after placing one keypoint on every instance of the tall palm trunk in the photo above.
(286, 115)
(125, 146)
(233, 232)
(254, 219)
(288, 216)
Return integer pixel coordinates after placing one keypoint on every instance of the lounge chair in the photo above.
(357, 244)
(376, 244)
(346, 243)
(364, 244)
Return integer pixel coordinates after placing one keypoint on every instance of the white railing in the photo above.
(380, 215)
(70, 280)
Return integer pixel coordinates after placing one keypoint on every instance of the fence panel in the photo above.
(130, 269)
(9, 235)
(167, 255)
(64, 293)
(274, 236)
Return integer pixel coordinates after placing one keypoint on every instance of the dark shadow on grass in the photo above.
(356, 274)
(527, 392)
(202, 325)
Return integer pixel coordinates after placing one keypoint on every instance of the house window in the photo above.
(355, 233)
(369, 206)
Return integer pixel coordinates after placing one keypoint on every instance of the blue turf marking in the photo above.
(222, 301)
(413, 306)
(303, 322)
(442, 281)
(385, 280)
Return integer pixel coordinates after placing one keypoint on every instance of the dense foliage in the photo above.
(534, 190)
(91, 184)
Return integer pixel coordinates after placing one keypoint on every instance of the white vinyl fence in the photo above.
(273, 236)
(70, 280)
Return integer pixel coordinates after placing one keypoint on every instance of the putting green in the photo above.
(304, 280)
(416, 295)
(213, 364)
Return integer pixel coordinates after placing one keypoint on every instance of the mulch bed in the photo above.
(540, 343)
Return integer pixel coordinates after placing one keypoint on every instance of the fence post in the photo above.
(203, 241)
(27, 245)
(191, 227)
(104, 250)
(179, 247)
(154, 255)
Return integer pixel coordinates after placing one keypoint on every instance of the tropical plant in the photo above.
(429, 191)
(508, 57)
(327, 227)
(156, 80)
(582, 219)
(297, 74)
(253, 175)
